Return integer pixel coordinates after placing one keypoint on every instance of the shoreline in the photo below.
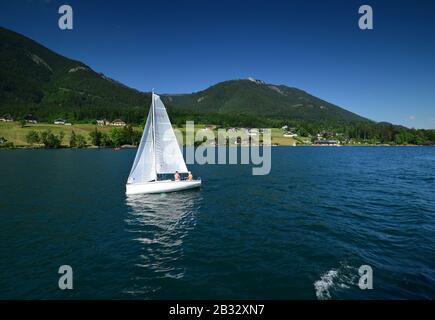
(13, 136)
(244, 146)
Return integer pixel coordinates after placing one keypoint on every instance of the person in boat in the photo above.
(190, 176)
(177, 176)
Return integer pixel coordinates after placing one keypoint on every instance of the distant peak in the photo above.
(256, 80)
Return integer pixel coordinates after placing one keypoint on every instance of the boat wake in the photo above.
(333, 280)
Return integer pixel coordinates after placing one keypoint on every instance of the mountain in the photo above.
(34, 79)
(38, 80)
(258, 98)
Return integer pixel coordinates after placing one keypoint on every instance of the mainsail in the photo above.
(158, 152)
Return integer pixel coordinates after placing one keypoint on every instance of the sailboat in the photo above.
(158, 154)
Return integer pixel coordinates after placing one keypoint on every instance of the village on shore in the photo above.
(28, 132)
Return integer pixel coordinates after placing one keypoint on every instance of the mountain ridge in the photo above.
(35, 79)
(257, 97)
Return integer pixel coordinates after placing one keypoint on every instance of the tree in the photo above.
(22, 123)
(61, 136)
(73, 140)
(32, 137)
(128, 135)
(51, 140)
(96, 137)
(6, 144)
(117, 137)
(81, 141)
(106, 141)
(137, 135)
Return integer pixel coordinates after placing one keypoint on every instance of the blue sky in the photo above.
(385, 74)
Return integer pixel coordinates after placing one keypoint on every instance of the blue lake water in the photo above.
(300, 232)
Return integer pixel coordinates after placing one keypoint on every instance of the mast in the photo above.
(154, 131)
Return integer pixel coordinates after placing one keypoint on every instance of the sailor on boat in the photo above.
(177, 176)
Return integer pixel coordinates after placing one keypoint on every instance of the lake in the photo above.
(300, 232)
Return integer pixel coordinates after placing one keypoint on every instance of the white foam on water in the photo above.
(341, 278)
(325, 283)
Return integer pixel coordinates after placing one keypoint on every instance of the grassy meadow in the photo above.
(13, 132)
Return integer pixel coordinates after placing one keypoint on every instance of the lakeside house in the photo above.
(118, 123)
(103, 122)
(327, 134)
(7, 118)
(287, 128)
(30, 118)
(326, 143)
(60, 121)
(290, 135)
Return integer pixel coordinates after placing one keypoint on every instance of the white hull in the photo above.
(161, 186)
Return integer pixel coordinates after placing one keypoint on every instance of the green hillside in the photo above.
(35, 79)
(257, 98)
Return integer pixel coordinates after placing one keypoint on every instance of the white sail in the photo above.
(143, 169)
(169, 157)
(158, 151)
